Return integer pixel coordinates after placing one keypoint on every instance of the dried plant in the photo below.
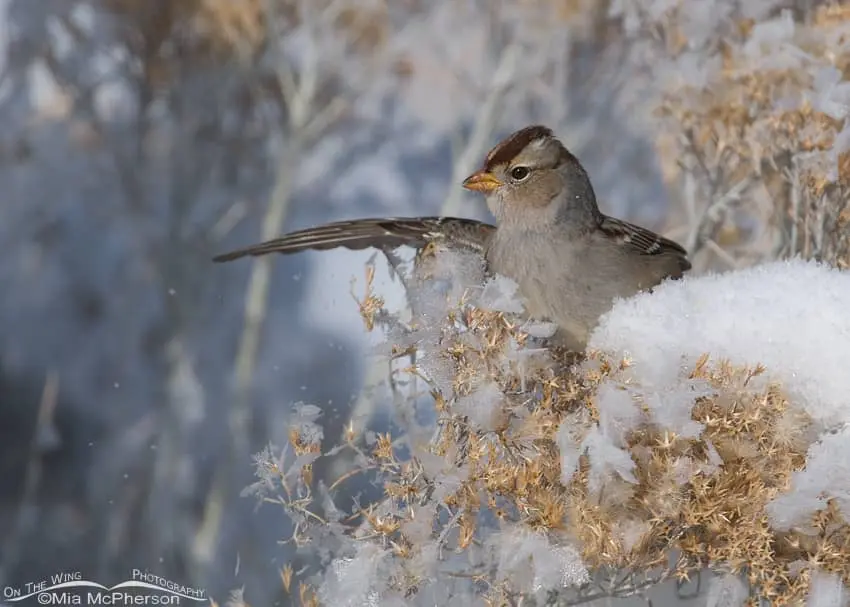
(555, 478)
(755, 116)
(496, 478)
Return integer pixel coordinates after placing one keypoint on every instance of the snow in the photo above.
(790, 316)
(105, 254)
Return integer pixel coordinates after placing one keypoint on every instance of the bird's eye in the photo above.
(520, 173)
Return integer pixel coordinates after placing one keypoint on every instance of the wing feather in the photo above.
(381, 233)
(644, 241)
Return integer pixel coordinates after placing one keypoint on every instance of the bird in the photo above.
(569, 260)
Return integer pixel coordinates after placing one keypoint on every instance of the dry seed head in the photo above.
(704, 497)
(300, 446)
(384, 447)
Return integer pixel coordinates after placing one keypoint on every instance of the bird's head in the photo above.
(530, 178)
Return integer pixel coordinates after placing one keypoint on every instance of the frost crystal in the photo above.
(500, 295)
(727, 591)
(605, 457)
(827, 475)
(351, 581)
(482, 405)
(832, 97)
(569, 439)
(827, 590)
(530, 560)
(304, 420)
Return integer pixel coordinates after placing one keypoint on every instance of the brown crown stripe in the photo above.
(513, 145)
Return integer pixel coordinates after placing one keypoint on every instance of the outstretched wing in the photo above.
(381, 233)
(645, 241)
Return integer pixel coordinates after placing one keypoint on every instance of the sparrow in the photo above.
(570, 260)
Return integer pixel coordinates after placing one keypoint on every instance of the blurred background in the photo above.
(141, 137)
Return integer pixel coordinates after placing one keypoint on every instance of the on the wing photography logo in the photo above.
(71, 588)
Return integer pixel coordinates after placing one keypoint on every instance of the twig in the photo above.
(712, 214)
(450, 524)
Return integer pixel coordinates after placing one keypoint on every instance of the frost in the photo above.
(449, 482)
(832, 96)
(666, 405)
(569, 440)
(532, 562)
(500, 295)
(695, 70)
(618, 412)
(304, 421)
(827, 590)
(827, 475)
(605, 458)
(482, 406)
(419, 529)
(758, 9)
(727, 590)
(703, 19)
(603, 442)
(630, 533)
(439, 285)
(670, 406)
(354, 581)
(267, 464)
(768, 35)
(713, 456)
(540, 329)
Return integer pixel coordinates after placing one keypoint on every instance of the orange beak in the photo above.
(482, 181)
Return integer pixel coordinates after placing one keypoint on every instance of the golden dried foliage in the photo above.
(734, 129)
(301, 445)
(370, 304)
(200, 27)
(702, 498)
(168, 35)
(229, 25)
